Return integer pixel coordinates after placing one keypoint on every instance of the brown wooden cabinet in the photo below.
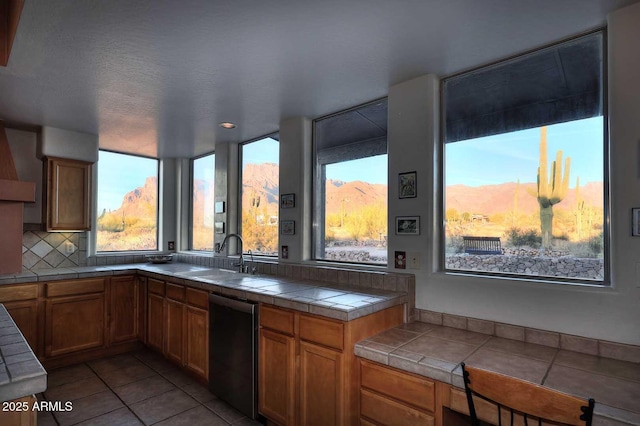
(68, 195)
(75, 316)
(21, 301)
(178, 325)
(155, 314)
(276, 377)
(123, 309)
(392, 397)
(307, 366)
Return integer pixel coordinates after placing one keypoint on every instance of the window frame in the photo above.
(191, 211)
(318, 193)
(239, 194)
(158, 207)
(440, 205)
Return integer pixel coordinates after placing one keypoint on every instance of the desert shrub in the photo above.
(523, 237)
(454, 244)
(596, 243)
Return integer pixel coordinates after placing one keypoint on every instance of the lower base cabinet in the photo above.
(392, 397)
(308, 371)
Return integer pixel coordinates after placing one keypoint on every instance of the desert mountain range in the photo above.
(261, 181)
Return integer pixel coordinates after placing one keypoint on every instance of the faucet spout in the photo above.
(224, 242)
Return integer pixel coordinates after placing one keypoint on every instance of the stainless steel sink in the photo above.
(207, 272)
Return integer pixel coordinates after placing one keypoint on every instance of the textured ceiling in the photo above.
(155, 77)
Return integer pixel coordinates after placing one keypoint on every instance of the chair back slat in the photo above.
(528, 398)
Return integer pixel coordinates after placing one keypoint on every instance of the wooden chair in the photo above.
(523, 400)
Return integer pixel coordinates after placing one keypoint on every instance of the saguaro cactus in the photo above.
(552, 188)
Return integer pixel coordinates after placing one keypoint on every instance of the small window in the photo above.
(127, 203)
(202, 202)
(525, 154)
(260, 192)
(350, 187)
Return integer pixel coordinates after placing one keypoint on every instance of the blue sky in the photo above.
(512, 156)
(119, 174)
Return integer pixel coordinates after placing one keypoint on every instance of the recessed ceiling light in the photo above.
(227, 125)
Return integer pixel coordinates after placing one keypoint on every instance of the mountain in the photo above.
(490, 199)
(350, 196)
(260, 182)
(141, 202)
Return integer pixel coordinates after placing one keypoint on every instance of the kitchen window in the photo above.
(202, 202)
(260, 191)
(350, 185)
(525, 166)
(127, 203)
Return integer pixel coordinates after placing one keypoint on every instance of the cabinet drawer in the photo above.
(68, 288)
(416, 391)
(199, 298)
(276, 319)
(155, 286)
(388, 412)
(324, 332)
(175, 292)
(12, 293)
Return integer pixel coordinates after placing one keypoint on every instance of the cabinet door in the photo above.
(155, 321)
(25, 315)
(68, 195)
(277, 377)
(174, 331)
(196, 356)
(74, 323)
(124, 309)
(320, 374)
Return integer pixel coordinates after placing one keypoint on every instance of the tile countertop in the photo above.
(21, 374)
(320, 298)
(436, 352)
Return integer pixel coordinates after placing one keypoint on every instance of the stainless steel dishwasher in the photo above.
(233, 353)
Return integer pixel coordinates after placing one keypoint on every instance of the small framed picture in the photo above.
(287, 227)
(407, 225)
(219, 227)
(407, 185)
(219, 207)
(635, 222)
(287, 201)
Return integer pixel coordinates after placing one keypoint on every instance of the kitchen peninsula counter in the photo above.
(21, 374)
(336, 301)
(435, 351)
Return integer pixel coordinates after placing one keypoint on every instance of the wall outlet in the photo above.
(413, 260)
(171, 245)
(69, 248)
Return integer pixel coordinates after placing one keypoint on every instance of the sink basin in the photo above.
(207, 272)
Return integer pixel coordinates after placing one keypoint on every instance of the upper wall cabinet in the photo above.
(68, 195)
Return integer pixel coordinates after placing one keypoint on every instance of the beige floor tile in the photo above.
(114, 363)
(143, 389)
(75, 390)
(199, 393)
(224, 410)
(88, 408)
(163, 406)
(69, 374)
(121, 417)
(199, 415)
(123, 376)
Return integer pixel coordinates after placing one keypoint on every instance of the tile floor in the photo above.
(138, 388)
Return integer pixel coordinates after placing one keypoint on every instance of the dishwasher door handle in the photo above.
(236, 305)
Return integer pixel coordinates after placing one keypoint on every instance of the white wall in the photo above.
(604, 313)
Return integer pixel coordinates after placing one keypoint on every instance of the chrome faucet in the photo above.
(240, 264)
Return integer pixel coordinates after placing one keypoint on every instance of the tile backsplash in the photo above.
(43, 250)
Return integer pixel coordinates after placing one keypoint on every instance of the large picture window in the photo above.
(525, 166)
(351, 185)
(127, 203)
(260, 192)
(202, 202)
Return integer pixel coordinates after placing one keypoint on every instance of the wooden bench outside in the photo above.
(482, 245)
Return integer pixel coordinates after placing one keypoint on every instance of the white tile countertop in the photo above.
(435, 351)
(332, 300)
(21, 374)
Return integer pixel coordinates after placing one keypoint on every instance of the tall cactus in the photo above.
(552, 188)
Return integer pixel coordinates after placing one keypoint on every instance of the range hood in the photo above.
(13, 195)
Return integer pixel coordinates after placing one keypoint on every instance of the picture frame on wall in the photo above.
(407, 225)
(287, 227)
(219, 227)
(407, 185)
(287, 201)
(635, 222)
